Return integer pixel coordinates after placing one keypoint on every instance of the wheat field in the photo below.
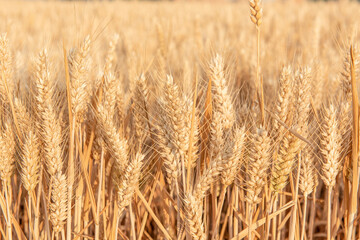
(179, 120)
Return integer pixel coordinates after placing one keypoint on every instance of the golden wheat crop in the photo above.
(179, 120)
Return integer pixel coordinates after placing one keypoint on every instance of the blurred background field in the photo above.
(308, 33)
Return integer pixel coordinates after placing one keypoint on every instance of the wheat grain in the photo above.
(256, 12)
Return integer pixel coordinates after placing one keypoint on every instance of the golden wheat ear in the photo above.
(193, 217)
(30, 164)
(7, 153)
(284, 102)
(303, 103)
(129, 182)
(116, 143)
(47, 122)
(283, 164)
(330, 149)
(232, 155)
(330, 146)
(6, 72)
(58, 201)
(259, 162)
(256, 12)
(79, 65)
(111, 54)
(221, 100)
(140, 109)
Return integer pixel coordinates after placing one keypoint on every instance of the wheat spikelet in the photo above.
(173, 138)
(307, 173)
(330, 146)
(52, 139)
(193, 221)
(173, 107)
(140, 109)
(217, 140)
(221, 100)
(120, 111)
(284, 100)
(209, 177)
(116, 143)
(109, 93)
(129, 182)
(111, 54)
(7, 153)
(23, 116)
(345, 126)
(48, 124)
(132, 64)
(167, 151)
(259, 162)
(161, 39)
(346, 73)
(216, 163)
(345, 119)
(30, 164)
(195, 138)
(5, 68)
(109, 103)
(256, 12)
(289, 148)
(43, 87)
(231, 156)
(303, 99)
(58, 202)
(78, 68)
